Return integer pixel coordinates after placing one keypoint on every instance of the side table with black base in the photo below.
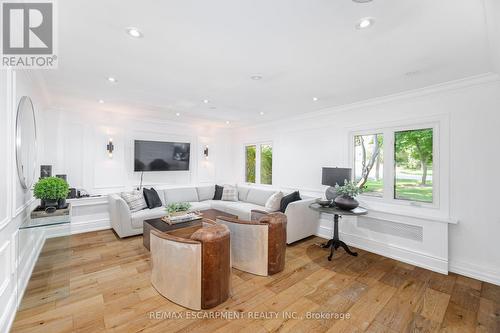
(337, 213)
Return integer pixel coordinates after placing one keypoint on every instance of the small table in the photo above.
(335, 242)
(158, 224)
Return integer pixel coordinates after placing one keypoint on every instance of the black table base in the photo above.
(335, 242)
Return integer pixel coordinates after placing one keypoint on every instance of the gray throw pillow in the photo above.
(135, 200)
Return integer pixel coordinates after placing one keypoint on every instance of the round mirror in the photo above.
(26, 142)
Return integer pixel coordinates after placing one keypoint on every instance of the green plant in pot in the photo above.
(52, 192)
(347, 194)
(178, 208)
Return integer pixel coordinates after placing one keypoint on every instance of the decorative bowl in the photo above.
(324, 203)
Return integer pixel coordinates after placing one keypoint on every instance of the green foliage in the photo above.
(414, 144)
(250, 152)
(350, 189)
(51, 188)
(178, 207)
(266, 164)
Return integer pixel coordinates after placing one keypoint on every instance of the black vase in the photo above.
(61, 203)
(346, 203)
(49, 203)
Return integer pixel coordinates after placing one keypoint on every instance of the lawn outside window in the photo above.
(398, 165)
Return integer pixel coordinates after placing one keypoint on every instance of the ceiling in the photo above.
(196, 50)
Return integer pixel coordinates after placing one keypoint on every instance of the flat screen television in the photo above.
(161, 156)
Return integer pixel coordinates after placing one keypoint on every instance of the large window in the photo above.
(259, 163)
(396, 164)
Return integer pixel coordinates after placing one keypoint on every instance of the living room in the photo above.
(335, 161)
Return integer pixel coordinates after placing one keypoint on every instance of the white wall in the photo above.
(76, 146)
(492, 10)
(471, 110)
(18, 249)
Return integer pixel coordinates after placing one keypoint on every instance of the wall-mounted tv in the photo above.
(161, 156)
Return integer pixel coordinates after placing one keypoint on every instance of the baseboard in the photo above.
(8, 314)
(28, 268)
(88, 226)
(10, 309)
(475, 272)
(394, 252)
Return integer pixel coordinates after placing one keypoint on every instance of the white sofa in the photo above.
(302, 222)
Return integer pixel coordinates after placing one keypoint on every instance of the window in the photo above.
(413, 152)
(397, 164)
(259, 163)
(266, 164)
(369, 163)
(250, 164)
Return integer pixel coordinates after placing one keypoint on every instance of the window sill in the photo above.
(406, 209)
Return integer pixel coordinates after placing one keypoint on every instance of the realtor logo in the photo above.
(28, 32)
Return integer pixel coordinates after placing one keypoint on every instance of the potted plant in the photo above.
(178, 208)
(347, 194)
(52, 192)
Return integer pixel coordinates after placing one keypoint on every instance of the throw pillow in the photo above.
(229, 193)
(152, 198)
(218, 192)
(135, 200)
(273, 204)
(288, 199)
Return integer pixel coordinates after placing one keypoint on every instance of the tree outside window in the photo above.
(250, 164)
(369, 163)
(413, 155)
(266, 164)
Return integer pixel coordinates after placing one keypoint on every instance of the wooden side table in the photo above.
(337, 213)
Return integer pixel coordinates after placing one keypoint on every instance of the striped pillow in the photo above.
(229, 193)
(135, 200)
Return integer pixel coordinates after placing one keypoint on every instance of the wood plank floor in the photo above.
(110, 291)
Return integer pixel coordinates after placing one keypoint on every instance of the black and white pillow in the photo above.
(135, 200)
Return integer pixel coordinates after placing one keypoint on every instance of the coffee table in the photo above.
(158, 224)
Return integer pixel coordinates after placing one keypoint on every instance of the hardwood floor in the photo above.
(110, 291)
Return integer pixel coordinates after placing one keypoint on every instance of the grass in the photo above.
(406, 189)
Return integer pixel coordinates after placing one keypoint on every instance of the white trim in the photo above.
(489, 77)
(475, 272)
(258, 145)
(90, 225)
(408, 256)
(8, 313)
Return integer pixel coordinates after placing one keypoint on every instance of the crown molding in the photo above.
(485, 78)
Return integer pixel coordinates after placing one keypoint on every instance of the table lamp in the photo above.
(332, 177)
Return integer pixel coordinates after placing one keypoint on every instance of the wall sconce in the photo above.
(110, 147)
(205, 152)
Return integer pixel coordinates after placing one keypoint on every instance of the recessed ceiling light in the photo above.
(228, 122)
(134, 32)
(177, 114)
(315, 99)
(261, 113)
(365, 23)
(206, 101)
(112, 79)
(101, 101)
(256, 77)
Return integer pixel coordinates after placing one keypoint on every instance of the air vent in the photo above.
(402, 230)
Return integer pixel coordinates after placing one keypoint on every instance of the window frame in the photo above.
(389, 174)
(257, 162)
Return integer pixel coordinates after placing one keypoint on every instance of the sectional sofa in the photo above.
(301, 221)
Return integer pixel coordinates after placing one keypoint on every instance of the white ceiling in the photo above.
(195, 50)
